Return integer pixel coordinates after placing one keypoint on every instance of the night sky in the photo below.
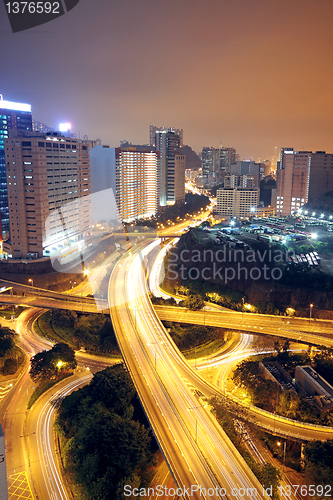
(249, 74)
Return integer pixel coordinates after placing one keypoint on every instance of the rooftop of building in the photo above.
(317, 379)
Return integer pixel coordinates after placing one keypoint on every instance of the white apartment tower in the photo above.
(137, 182)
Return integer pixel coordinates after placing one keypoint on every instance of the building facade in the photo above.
(227, 157)
(293, 177)
(172, 168)
(137, 182)
(41, 127)
(13, 116)
(241, 181)
(153, 130)
(237, 202)
(210, 158)
(47, 175)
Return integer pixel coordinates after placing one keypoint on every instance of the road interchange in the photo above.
(154, 356)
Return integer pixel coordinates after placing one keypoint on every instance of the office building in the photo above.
(13, 116)
(153, 130)
(172, 168)
(241, 181)
(137, 182)
(237, 202)
(321, 174)
(48, 180)
(227, 157)
(247, 167)
(293, 176)
(41, 127)
(210, 159)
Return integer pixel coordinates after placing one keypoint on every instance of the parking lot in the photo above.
(301, 234)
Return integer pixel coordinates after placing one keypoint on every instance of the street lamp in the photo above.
(154, 343)
(31, 281)
(196, 420)
(284, 451)
(311, 306)
(243, 299)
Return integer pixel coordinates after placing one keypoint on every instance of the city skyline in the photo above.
(248, 76)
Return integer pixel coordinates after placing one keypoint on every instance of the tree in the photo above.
(192, 302)
(106, 446)
(47, 364)
(319, 462)
(323, 364)
(268, 475)
(64, 318)
(113, 386)
(6, 340)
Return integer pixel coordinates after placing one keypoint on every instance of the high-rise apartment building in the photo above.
(48, 180)
(210, 158)
(293, 178)
(13, 116)
(237, 202)
(153, 130)
(137, 182)
(172, 168)
(227, 157)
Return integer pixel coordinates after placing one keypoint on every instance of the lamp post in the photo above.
(153, 343)
(31, 281)
(243, 299)
(196, 420)
(284, 451)
(311, 306)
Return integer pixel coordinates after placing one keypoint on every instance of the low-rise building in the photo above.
(314, 385)
(237, 202)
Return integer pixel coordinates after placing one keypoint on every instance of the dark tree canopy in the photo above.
(319, 462)
(108, 446)
(6, 340)
(64, 318)
(47, 364)
(192, 302)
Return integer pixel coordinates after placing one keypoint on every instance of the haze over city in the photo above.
(253, 75)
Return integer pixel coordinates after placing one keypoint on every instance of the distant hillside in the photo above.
(192, 159)
(322, 204)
